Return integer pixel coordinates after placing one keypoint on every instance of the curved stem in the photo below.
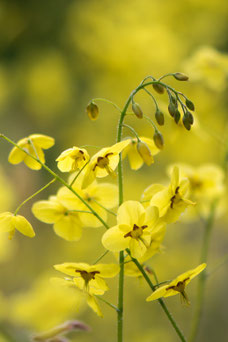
(33, 195)
(203, 276)
(107, 101)
(133, 131)
(101, 257)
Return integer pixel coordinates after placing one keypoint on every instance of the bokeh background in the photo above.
(54, 57)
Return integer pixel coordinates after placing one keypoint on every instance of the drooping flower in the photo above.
(140, 152)
(134, 229)
(34, 144)
(89, 279)
(177, 285)
(98, 196)
(72, 159)
(171, 201)
(104, 162)
(67, 224)
(10, 222)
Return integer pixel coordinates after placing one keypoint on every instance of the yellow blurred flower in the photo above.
(171, 201)
(134, 229)
(67, 224)
(34, 144)
(98, 196)
(140, 152)
(209, 66)
(44, 305)
(72, 159)
(177, 285)
(10, 222)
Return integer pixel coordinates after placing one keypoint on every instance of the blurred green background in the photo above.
(55, 56)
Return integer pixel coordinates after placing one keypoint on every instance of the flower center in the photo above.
(87, 276)
(103, 163)
(176, 198)
(136, 232)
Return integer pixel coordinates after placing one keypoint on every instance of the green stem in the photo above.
(107, 101)
(101, 257)
(133, 131)
(161, 302)
(202, 277)
(108, 210)
(36, 193)
(79, 172)
(58, 178)
(106, 302)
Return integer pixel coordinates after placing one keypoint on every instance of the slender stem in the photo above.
(101, 257)
(202, 277)
(58, 178)
(108, 101)
(36, 193)
(133, 131)
(108, 210)
(106, 302)
(79, 172)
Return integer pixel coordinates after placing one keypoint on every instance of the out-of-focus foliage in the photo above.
(55, 56)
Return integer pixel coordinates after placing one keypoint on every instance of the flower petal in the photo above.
(48, 211)
(130, 213)
(114, 240)
(23, 226)
(69, 228)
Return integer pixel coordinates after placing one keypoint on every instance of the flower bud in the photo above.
(145, 153)
(190, 104)
(172, 109)
(92, 111)
(177, 116)
(137, 110)
(186, 122)
(190, 117)
(159, 116)
(180, 76)
(158, 140)
(159, 88)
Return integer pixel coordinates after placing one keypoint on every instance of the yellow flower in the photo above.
(177, 285)
(34, 144)
(72, 159)
(10, 222)
(171, 201)
(140, 152)
(134, 229)
(67, 224)
(96, 195)
(104, 162)
(89, 279)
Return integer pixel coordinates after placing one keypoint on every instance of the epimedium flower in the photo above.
(134, 229)
(104, 162)
(89, 279)
(10, 222)
(67, 224)
(140, 152)
(177, 285)
(99, 196)
(170, 200)
(34, 144)
(72, 159)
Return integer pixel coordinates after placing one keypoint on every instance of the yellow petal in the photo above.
(90, 220)
(137, 248)
(48, 211)
(175, 178)
(42, 141)
(69, 228)
(16, 156)
(160, 292)
(135, 159)
(151, 191)
(6, 222)
(70, 268)
(23, 226)
(106, 194)
(97, 286)
(94, 306)
(150, 142)
(108, 270)
(114, 240)
(130, 213)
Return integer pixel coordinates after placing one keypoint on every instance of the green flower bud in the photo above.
(159, 88)
(92, 111)
(137, 110)
(190, 104)
(186, 122)
(190, 117)
(159, 116)
(180, 76)
(172, 109)
(177, 116)
(158, 140)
